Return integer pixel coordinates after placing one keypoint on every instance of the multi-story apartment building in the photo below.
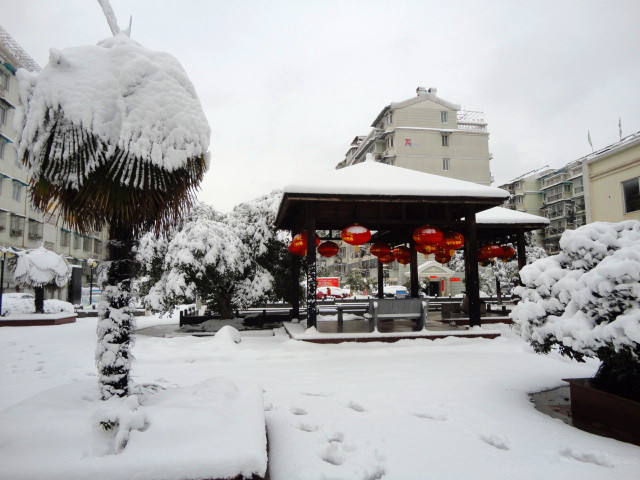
(428, 134)
(612, 186)
(21, 227)
(562, 202)
(601, 186)
(525, 191)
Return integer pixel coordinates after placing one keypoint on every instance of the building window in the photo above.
(4, 81)
(17, 191)
(65, 238)
(2, 143)
(3, 220)
(445, 140)
(77, 241)
(35, 229)
(444, 117)
(86, 244)
(631, 189)
(389, 142)
(389, 118)
(17, 226)
(3, 115)
(97, 246)
(446, 164)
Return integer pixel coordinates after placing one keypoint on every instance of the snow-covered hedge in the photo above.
(586, 299)
(13, 306)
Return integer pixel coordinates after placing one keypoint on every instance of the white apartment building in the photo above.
(21, 227)
(428, 134)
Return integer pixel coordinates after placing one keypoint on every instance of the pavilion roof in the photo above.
(381, 196)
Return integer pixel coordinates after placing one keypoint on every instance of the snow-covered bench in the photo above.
(401, 308)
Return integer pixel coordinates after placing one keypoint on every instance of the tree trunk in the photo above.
(224, 305)
(39, 301)
(115, 325)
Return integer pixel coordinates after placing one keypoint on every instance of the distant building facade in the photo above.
(21, 227)
(602, 186)
(427, 134)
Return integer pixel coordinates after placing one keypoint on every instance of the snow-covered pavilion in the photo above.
(393, 201)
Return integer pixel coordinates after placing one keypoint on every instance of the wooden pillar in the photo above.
(295, 286)
(413, 271)
(312, 281)
(522, 251)
(380, 279)
(473, 279)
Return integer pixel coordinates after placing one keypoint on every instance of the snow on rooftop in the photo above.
(373, 178)
(508, 216)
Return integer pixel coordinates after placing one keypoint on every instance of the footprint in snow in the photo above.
(298, 411)
(307, 427)
(356, 407)
(337, 437)
(496, 441)
(316, 394)
(596, 458)
(268, 407)
(431, 416)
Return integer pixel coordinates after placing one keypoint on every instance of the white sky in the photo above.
(287, 85)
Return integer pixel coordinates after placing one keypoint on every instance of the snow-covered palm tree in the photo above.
(113, 134)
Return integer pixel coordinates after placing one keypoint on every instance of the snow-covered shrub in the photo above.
(586, 301)
(226, 260)
(12, 305)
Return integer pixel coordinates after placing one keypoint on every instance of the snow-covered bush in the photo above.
(14, 305)
(586, 301)
(225, 260)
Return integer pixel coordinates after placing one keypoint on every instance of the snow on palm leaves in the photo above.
(112, 129)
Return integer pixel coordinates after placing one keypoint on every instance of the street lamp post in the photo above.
(92, 265)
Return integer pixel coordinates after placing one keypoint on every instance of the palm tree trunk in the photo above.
(115, 325)
(39, 300)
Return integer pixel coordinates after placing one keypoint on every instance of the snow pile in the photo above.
(40, 267)
(120, 92)
(586, 299)
(213, 429)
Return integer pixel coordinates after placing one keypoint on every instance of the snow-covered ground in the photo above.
(415, 409)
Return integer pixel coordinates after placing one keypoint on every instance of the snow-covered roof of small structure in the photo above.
(374, 178)
(501, 215)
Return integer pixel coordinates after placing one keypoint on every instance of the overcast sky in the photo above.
(286, 86)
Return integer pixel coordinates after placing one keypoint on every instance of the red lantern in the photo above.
(402, 254)
(427, 235)
(425, 249)
(298, 245)
(356, 234)
(453, 240)
(496, 251)
(378, 249)
(328, 249)
(386, 258)
(507, 253)
(440, 258)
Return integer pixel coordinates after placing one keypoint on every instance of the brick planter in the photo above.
(603, 413)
